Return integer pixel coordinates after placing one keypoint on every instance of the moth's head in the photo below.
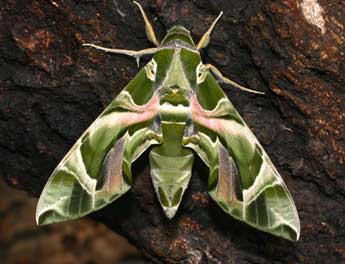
(178, 33)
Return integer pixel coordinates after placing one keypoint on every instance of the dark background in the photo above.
(80, 241)
(51, 89)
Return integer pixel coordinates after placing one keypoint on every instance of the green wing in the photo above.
(97, 170)
(243, 180)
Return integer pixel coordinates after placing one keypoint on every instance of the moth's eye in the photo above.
(151, 70)
(201, 73)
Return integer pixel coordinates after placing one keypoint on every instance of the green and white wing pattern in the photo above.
(175, 102)
(97, 170)
(243, 181)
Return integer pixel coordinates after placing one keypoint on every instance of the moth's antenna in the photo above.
(148, 27)
(205, 39)
(226, 80)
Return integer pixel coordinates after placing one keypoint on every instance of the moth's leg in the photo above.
(205, 39)
(222, 78)
(133, 53)
(148, 27)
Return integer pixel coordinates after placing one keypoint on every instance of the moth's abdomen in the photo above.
(170, 177)
(171, 167)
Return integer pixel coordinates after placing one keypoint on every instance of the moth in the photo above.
(174, 108)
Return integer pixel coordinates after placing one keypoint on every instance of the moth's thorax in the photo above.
(175, 87)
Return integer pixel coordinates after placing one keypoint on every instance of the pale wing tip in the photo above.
(37, 218)
(294, 238)
(298, 232)
(40, 220)
(294, 233)
(46, 216)
(38, 213)
(50, 217)
(297, 237)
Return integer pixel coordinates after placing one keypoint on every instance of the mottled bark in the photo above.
(51, 89)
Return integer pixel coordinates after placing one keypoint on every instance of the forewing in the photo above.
(243, 180)
(97, 170)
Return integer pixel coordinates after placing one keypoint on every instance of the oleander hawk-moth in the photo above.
(174, 108)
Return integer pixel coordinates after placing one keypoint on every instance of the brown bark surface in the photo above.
(51, 89)
(72, 242)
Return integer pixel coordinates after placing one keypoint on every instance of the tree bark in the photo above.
(51, 89)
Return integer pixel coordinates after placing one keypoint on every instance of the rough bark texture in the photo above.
(51, 89)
